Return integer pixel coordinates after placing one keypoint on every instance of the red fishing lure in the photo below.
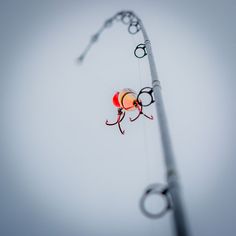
(128, 100)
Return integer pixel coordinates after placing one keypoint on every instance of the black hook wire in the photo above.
(120, 117)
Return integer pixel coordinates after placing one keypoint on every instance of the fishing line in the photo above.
(146, 155)
(146, 149)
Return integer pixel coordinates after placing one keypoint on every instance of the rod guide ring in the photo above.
(156, 189)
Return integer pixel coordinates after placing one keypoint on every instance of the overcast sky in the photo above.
(63, 171)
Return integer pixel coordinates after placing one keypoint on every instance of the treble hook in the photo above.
(140, 109)
(120, 117)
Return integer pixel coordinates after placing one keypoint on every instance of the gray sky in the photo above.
(63, 171)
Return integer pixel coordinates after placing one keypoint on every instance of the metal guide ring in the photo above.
(119, 16)
(157, 189)
(142, 47)
(149, 91)
(134, 27)
(127, 17)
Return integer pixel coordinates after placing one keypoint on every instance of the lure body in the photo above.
(125, 99)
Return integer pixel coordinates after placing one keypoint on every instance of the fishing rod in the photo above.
(171, 193)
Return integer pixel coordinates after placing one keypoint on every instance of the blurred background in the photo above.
(63, 172)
